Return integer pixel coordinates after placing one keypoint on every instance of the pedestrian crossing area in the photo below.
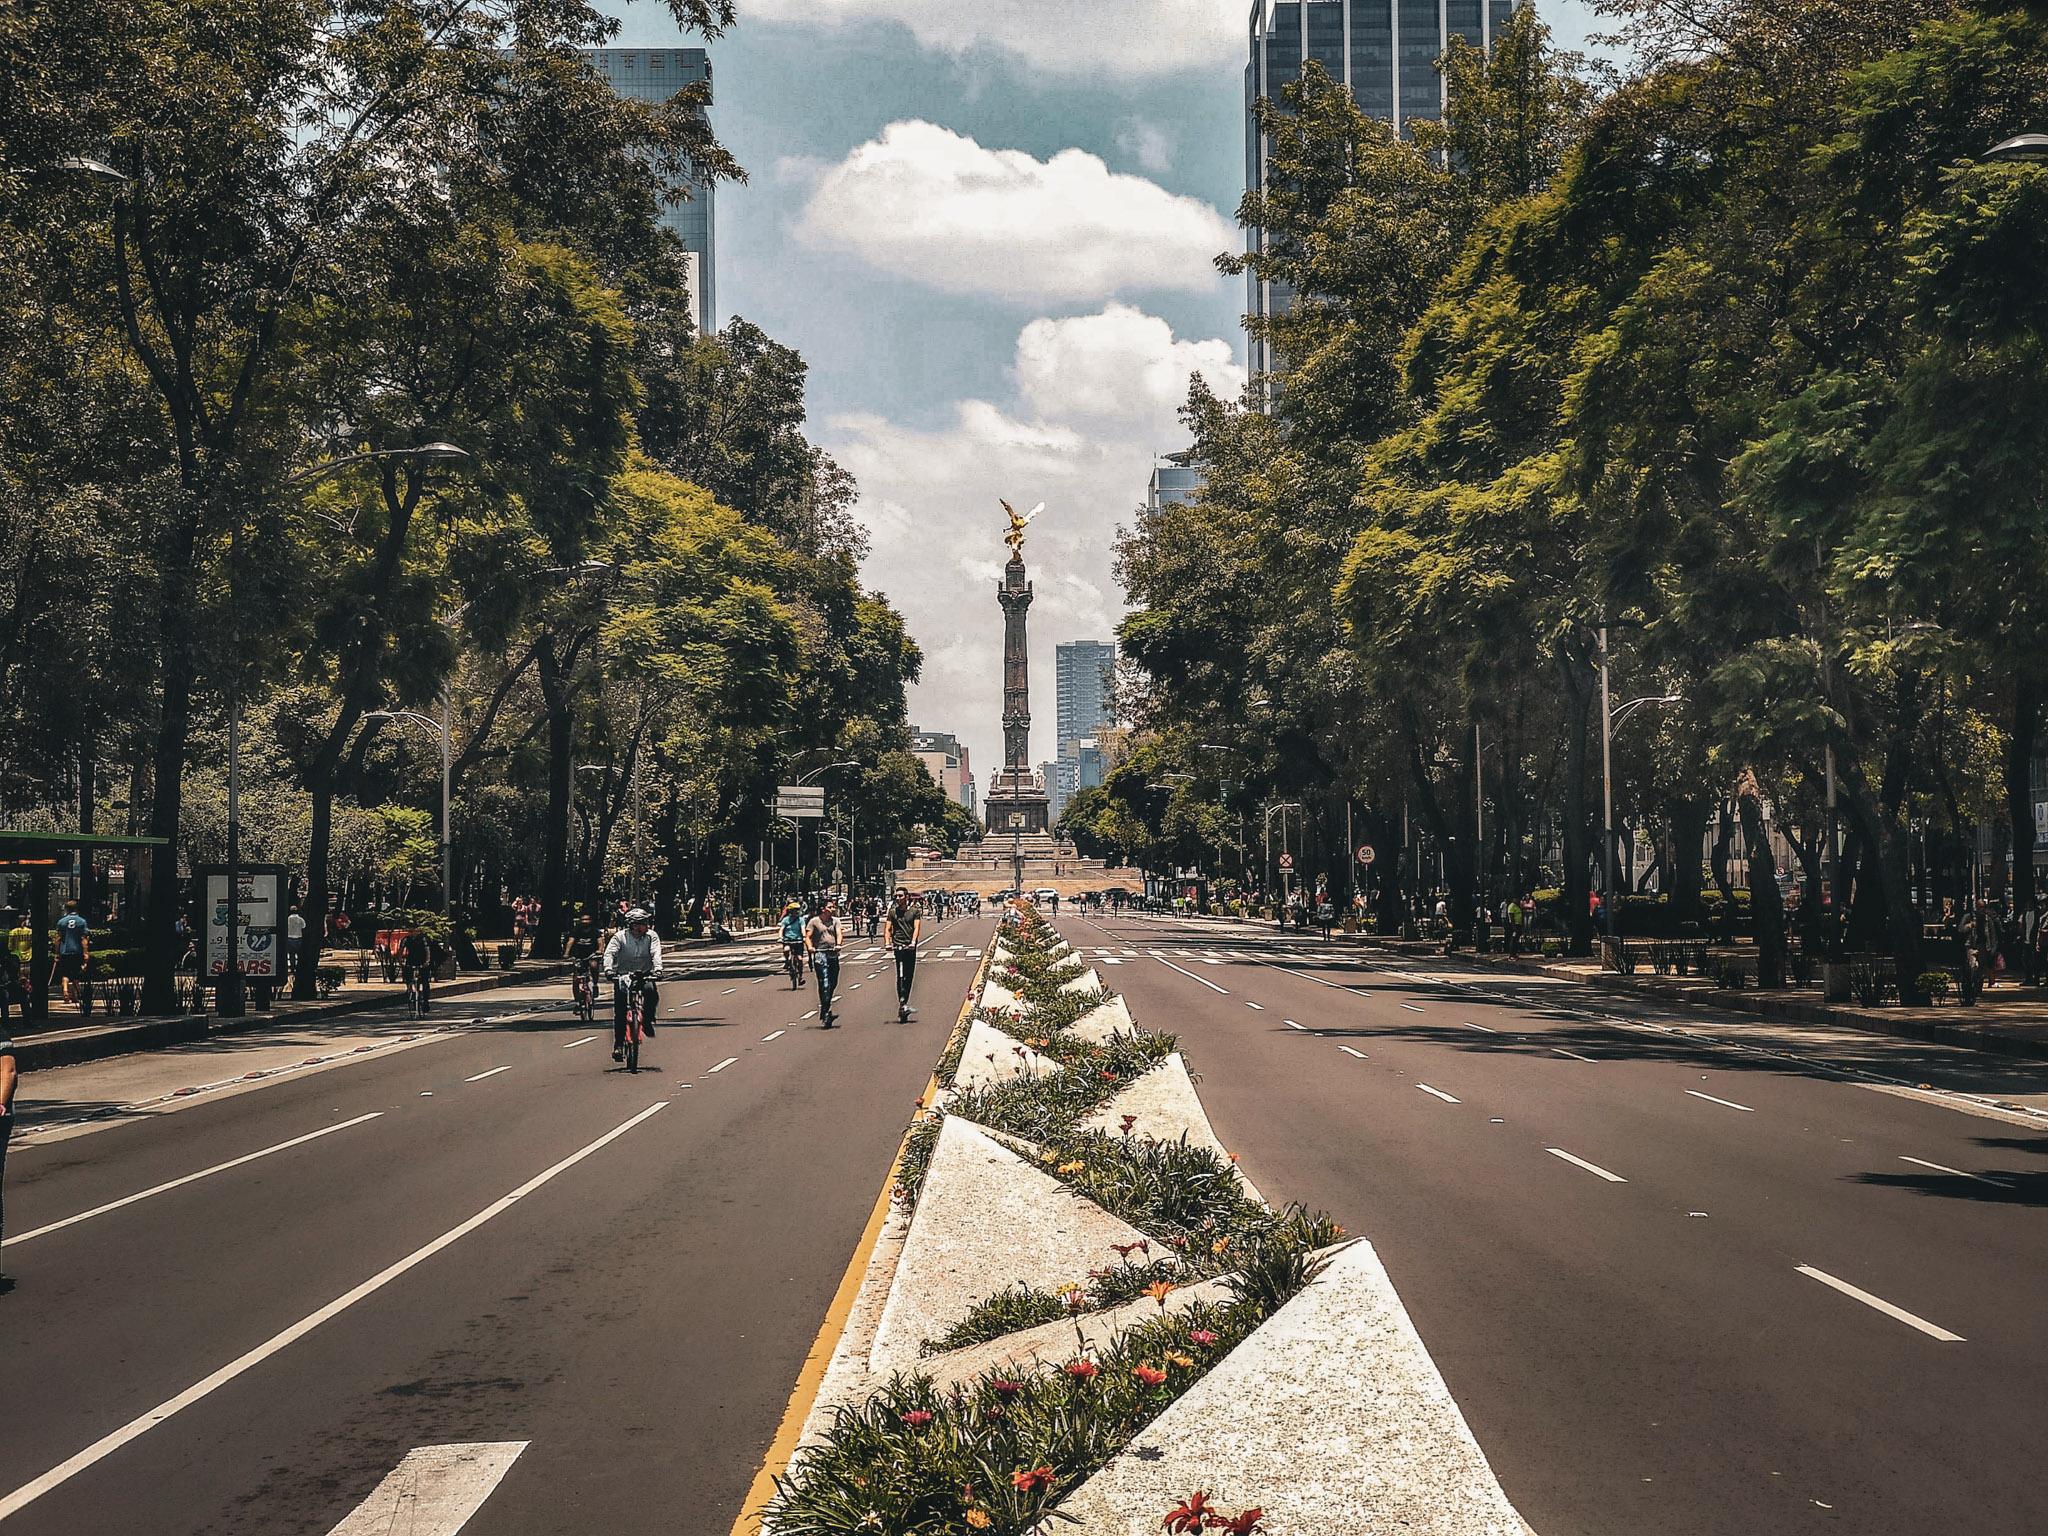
(1094, 955)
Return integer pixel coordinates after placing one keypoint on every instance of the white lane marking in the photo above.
(1580, 1162)
(1480, 1027)
(1575, 1056)
(776, 1036)
(758, 980)
(1207, 961)
(1937, 1167)
(139, 1426)
(854, 988)
(693, 1002)
(433, 1491)
(725, 1063)
(1292, 1025)
(1724, 1103)
(812, 1014)
(1412, 1007)
(1439, 1093)
(1191, 976)
(1260, 1006)
(1348, 1051)
(728, 992)
(574, 1043)
(170, 1184)
(482, 1075)
(1105, 959)
(1932, 1330)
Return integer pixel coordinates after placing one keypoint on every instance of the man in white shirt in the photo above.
(635, 950)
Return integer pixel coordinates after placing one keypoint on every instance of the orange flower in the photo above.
(1220, 1244)
(978, 1518)
(1082, 1370)
(1033, 1480)
(1159, 1290)
(1151, 1375)
(1181, 1360)
(1074, 1167)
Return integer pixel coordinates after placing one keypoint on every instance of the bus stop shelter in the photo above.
(43, 856)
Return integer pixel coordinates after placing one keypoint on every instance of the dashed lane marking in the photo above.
(1878, 1303)
(190, 1178)
(724, 1064)
(1439, 1093)
(776, 1036)
(1480, 1027)
(1348, 1051)
(1922, 1162)
(1412, 1007)
(1292, 1025)
(141, 1425)
(1592, 1168)
(1575, 1056)
(574, 1043)
(1724, 1103)
(1260, 1006)
(1191, 976)
(482, 1075)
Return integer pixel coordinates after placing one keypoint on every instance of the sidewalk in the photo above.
(2006, 1020)
(63, 1040)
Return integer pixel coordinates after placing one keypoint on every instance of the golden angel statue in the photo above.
(1018, 522)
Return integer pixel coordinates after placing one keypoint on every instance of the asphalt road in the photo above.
(491, 1238)
(1631, 1253)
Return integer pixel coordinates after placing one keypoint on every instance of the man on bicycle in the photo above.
(821, 938)
(905, 923)
(635, 950)
(793, 937)
(585, 945)
(416, 958)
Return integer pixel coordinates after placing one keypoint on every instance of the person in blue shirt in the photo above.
(793, 942)
(74, 951)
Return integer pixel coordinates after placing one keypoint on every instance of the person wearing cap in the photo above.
(635, 950)
(793, 933)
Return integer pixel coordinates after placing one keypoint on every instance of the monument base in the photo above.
(1017, 802)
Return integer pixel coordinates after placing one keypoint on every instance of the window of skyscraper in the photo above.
(1372, 56)
(1420, 87)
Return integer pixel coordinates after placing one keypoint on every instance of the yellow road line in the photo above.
(812, 1376)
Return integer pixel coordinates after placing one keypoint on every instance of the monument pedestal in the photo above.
(1016, 802)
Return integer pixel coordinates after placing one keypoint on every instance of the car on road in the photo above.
(1044, 894)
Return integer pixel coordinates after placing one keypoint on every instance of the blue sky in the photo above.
(987, 225)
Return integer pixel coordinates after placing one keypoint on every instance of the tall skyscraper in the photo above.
(1084, 671)
(1176, 478)
(655, 74)
(1384, 50)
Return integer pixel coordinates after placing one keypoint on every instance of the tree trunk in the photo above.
(2019, 787)
(1688, 836)
(1766, 907)
(314, 908)
(555, 681)
(174, 727)
(1579, 692)
(1890, 844)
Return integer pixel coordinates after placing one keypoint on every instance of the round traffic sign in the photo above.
(1367, 853)
(761, 866)
(1287, 861)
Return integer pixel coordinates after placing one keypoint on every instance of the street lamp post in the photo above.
(1611, 720)
(805, 778)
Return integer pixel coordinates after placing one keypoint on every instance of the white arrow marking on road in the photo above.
(135, 1428)
(725, 1063)
(1937, 1167)
(1439, 1093)
(1932, 1330)
(1348, 1051)
(482, 1075)
(1725, 1103)
(170, 1184)
(776, 1036)
(1191, 976)
(1580, 1162)
(574, 1043)
(433, 1491)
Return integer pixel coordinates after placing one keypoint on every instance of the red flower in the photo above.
(1125, 1250)
(917, 1418)
(1033, 1480)
(1127, 1122)
(1151, 1375)
(1201, 1336)
(1189, 1515)
(1006, 1388)
(1082, 1370)
(1245, 1524)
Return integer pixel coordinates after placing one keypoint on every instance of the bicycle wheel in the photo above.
(633, 1046)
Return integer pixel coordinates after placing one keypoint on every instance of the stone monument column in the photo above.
(1016, 803)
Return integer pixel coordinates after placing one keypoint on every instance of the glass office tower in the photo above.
(1384, 50)
(655, 74)
(1084, 672)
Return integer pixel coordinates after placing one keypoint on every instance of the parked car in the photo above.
(1044, 895)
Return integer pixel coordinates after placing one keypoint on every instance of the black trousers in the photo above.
(906, 968)
(648, 1015)
(6, 1130)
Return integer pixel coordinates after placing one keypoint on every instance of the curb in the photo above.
(96, 1043)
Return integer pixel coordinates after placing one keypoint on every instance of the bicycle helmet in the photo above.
(639, 915)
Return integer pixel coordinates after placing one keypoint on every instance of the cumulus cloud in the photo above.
(929, 204)
(1096, 396)
(1127, 38)
(1146, 143)
(1120, 364)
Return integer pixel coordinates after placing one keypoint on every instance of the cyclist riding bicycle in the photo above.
(416, 956)
(586, 943)
(635, 950)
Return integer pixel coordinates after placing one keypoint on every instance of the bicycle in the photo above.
(793, 963)
(636, 1015)
(585, 989)
(415, 992)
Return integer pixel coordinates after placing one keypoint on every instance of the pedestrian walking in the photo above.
(74, 951)
(10, 1079)
(822, 940)
(294, 940)
(13, 994)
(905, 925)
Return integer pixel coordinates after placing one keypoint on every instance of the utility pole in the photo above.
(1606, 791)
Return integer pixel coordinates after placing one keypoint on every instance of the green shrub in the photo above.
(1008, 1311)
(1935, 985)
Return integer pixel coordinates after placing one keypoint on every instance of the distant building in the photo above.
(1384, 50)
(945, 759)
(1176, 480)
(1085, 674)
(654, 75)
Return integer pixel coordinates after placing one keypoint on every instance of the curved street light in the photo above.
(2020, 147)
